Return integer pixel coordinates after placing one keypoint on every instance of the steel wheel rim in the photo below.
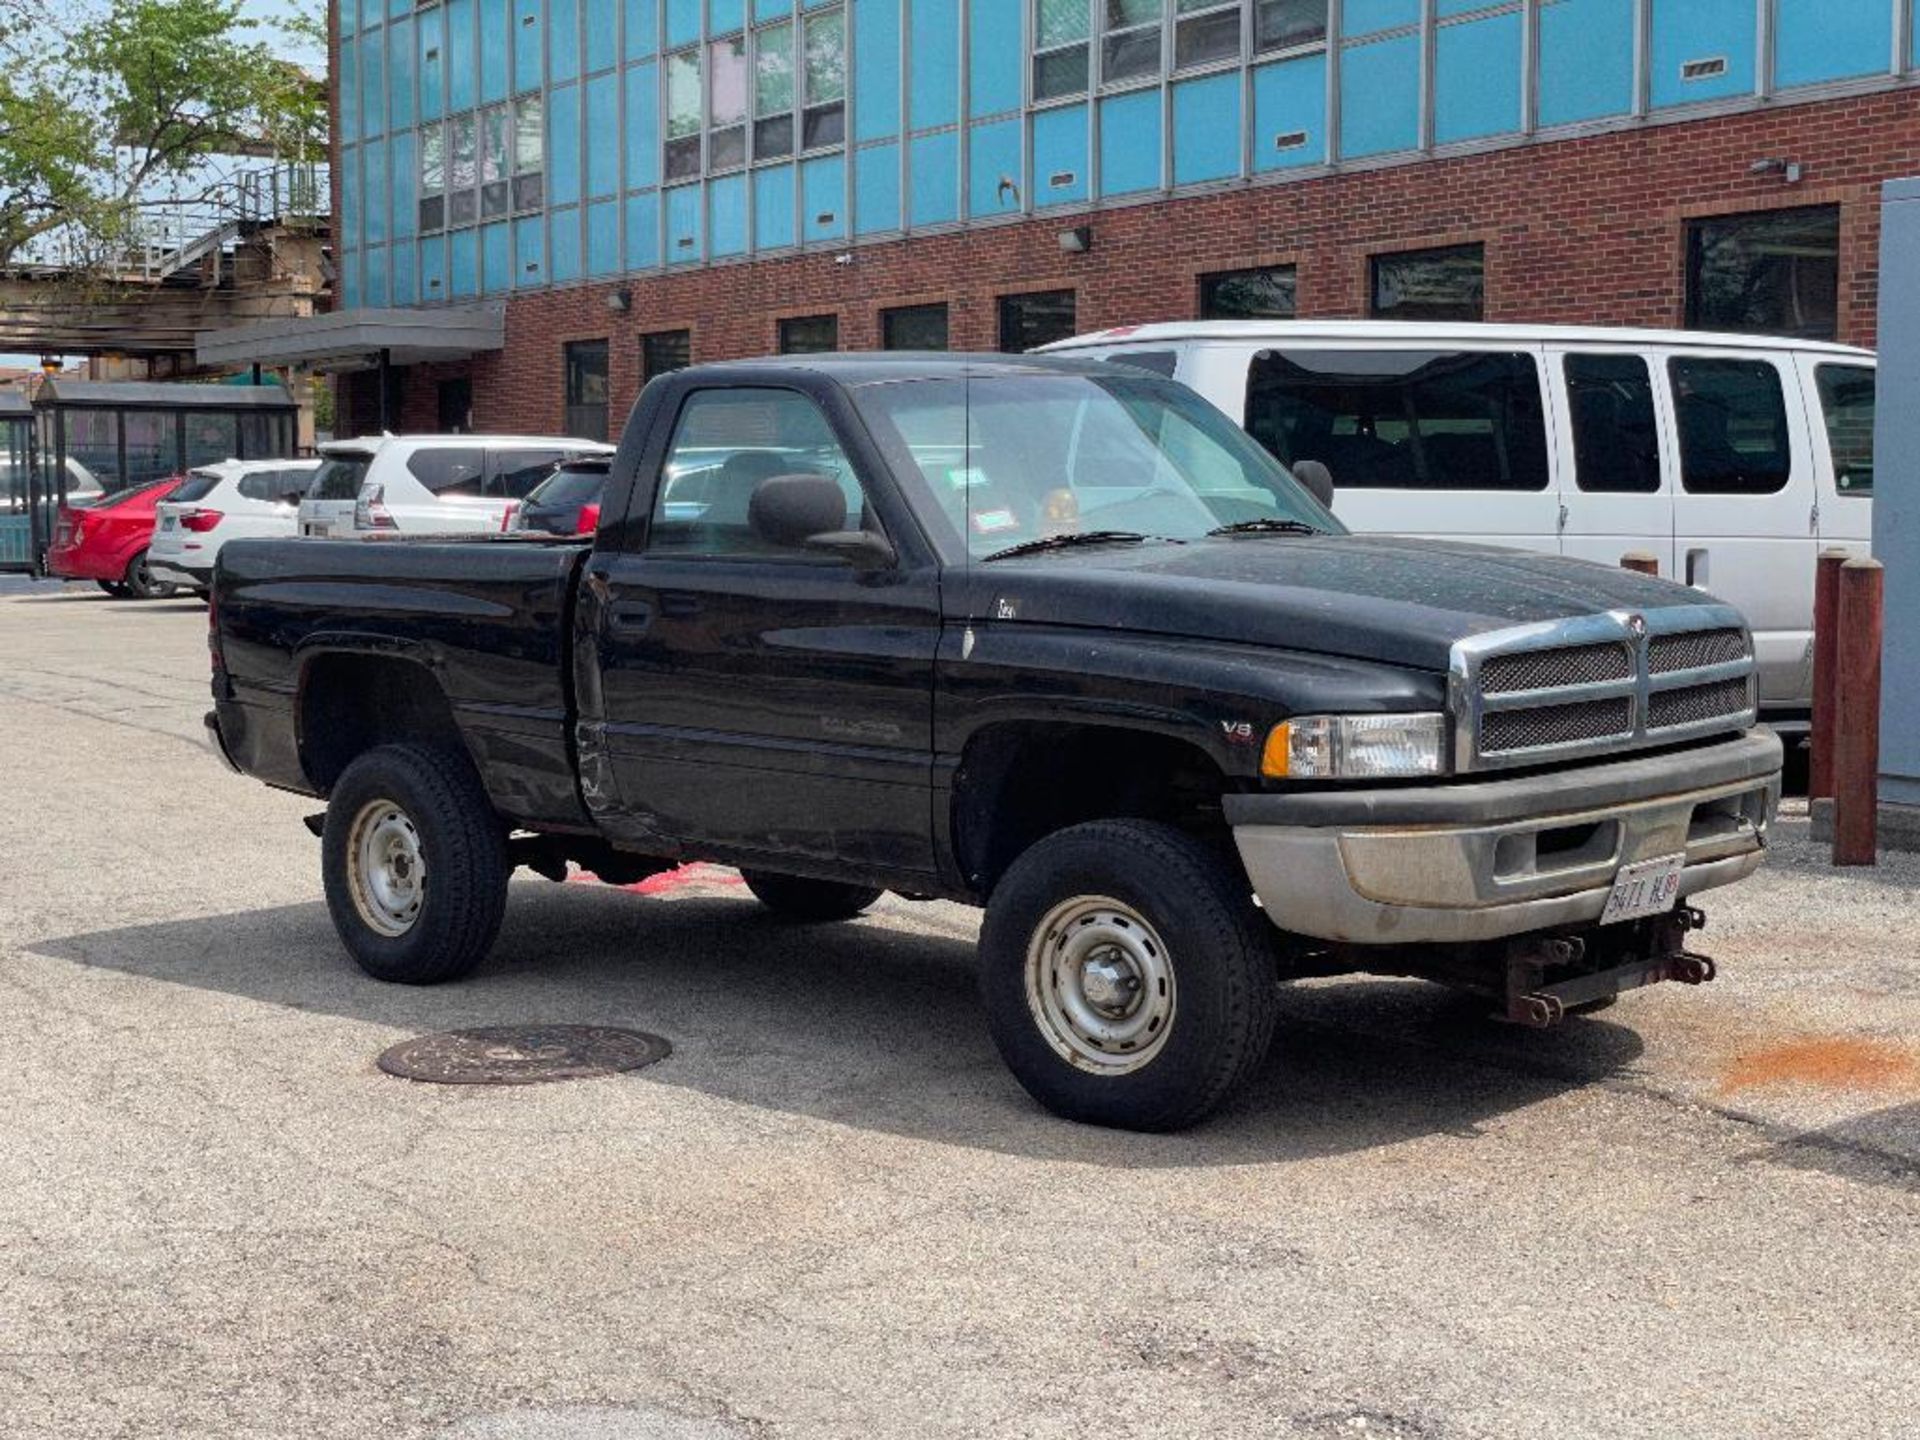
(1100, 985)
(386, 873)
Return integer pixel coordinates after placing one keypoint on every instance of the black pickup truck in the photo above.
(1046, 636)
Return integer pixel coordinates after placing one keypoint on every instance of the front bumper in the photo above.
(1485, 860)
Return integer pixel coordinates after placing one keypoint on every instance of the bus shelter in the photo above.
(16, 482)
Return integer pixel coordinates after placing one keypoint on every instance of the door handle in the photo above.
(629, 617)
(679, 604)
(1697, 568)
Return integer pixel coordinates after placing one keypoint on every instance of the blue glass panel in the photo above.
(643, 28)
(773, 208)
(374, 158)
(1129, 145)
(1380, 97)
(1817, 40)
(349, 94)
(349, 17)
(463, 264)
(994, 179)
(459, 57)
(876, 189)
(563, 41)
(603, 238)
(1206, 130)
(496, 19)
(526, 45)
(397, 8)
(350, 291)
(726, 16)
(876, 68)
(402, 177)
(1365, 17)
(563, 145)
(598, 41)
(933, 80)
(683, 225)
(1060, 156)
(563, 246)
(400, 260)
(1290, 101)
(1445, 8)
(1476, 78)
(823, 198)
(727, 215)
(643, 127)
(683, 22)
(400, 55)
(529, 251)
(933, 178)
(433, 64)
(1586, 60)
(1685, 31)
(433, 268)
(373, 87)
(643, 231)
(373, 277)
(496, 258)
(771, 9)
(603, 119)
(815, 4)
(994, 57)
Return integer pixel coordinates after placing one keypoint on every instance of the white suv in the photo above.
(233, 500)
(430, 484)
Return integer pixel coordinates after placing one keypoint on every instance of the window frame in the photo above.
(572, 353)
(892, 312)
(780, 332)
(520, 183)
(647, 371)
(1377, 259)
(1209, 281)
(1083, 42)
(1694, 250)
(1004, 304)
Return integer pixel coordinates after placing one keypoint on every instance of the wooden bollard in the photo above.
(1641, 562)
(1856, 717)
(1826, 600)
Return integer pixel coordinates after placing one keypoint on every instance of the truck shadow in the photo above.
(876, 1024)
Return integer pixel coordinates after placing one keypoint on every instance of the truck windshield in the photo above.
(1004, 460)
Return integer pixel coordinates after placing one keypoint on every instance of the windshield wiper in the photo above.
(1068, 541)
(1269, 526)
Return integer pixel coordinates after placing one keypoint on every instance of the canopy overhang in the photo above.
(346, 340)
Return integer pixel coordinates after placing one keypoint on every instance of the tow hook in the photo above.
(1532, 1002)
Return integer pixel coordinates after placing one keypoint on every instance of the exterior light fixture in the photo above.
(620, 301)
(1078, 240)
(1787, 170)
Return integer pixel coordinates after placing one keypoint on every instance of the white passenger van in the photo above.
(1733, 458)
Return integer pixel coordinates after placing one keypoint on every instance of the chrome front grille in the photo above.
(1600, 683)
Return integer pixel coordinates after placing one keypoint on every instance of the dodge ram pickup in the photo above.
(1046, 636)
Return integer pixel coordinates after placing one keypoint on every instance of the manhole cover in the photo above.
(522, 1054)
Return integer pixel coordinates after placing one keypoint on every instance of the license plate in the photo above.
(166, 522)
(1649, 887)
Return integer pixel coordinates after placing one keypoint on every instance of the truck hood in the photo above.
(1368, 597)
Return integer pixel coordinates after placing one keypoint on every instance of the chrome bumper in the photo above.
(1482, 861)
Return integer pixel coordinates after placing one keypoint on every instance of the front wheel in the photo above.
(415, 864)
(1127, 977)
(800, 899)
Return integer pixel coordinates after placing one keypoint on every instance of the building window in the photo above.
(482, 165)
(681, 157)
(1027, 321)
(914, 327)
(663, 352)
(1060, 65)
(823, 121)
(809, 334)
(1205, 32)
(1777, 273)
(1263, 294)
(727, 103)
(1447, 284)
(1284, 24)
(586, 365)
(453, 403)
(1130, 40)
(773, 92)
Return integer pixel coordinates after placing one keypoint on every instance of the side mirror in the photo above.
(1317, 479)
(810, 512)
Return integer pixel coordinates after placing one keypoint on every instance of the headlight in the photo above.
(1356, 747)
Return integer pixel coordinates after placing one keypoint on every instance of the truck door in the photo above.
(1616, 476)
(754, 699)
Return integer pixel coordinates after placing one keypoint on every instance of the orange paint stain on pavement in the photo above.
(1828, 1062)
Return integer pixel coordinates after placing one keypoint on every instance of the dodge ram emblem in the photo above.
(1637, 626)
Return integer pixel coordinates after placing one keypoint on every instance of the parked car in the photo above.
(1043, 635)
(106, 540)
(1733, 458)
(429, 484)
(218, 503)
(567, 502)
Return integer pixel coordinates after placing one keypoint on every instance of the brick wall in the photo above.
(1585, 231)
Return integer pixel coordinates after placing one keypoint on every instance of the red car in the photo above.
(106, 541)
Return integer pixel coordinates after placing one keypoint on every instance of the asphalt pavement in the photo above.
(830, 1212)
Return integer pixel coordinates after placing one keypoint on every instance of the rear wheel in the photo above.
(800, 899)
(415, 864)
(140, 583)
(1127, 977)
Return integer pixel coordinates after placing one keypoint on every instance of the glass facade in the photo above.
(489, 146)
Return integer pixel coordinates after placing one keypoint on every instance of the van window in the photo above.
(1733, 426)
(1403, 420)
(512, 474)
(1616, 441)
(448, 471)
(1846, 398)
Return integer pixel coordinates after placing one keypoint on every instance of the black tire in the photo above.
(113, 587)
(141, 585)
(1217, 949)
(812, 900)
(462, 852)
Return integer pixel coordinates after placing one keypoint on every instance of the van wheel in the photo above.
(415, 864)
(799, 899)
(140, 583)
(1127, 976)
